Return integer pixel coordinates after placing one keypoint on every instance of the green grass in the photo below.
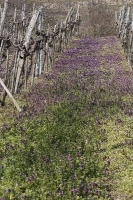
(60, 135)
(78, 147)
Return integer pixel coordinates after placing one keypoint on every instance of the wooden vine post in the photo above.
(14, 20)
(3, 17)
(54, 41)
(40, 28)
(124, 26)
(131, 45)
(6, 77)
(26, 46)
(10, 95)
(23, 17)
(77, 22)
(16, 63)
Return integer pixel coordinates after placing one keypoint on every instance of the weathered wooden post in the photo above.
(3, 18)
(116, 20)
(126, 32)
(34, 7)
(63, 36)
(46, 57)
(26, 46)
(54, 35)
(130, 59)
(46, 49)
(23, 17)
(121, 20)
(66, 22)
(2, 23)
(33, 73)
(1, 51)
(14, 20)
(6, 77)
(60, 38)
(30, 29)
(124, 23)
(77, 21)
(10, 95)
(26, 72)
(70, 18)
(16, 63)
(1, 12)
(40, 28)
(71, 25)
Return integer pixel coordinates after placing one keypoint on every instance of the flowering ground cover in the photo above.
(74, 139)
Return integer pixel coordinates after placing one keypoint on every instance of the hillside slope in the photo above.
(74, 141)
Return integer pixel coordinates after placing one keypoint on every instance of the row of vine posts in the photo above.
(124, 28)
(28, 49)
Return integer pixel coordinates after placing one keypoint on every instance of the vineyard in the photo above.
(26, 49)
(66, 91)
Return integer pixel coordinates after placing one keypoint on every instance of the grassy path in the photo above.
(75, 138)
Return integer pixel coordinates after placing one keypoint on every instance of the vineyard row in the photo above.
(28, 48)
